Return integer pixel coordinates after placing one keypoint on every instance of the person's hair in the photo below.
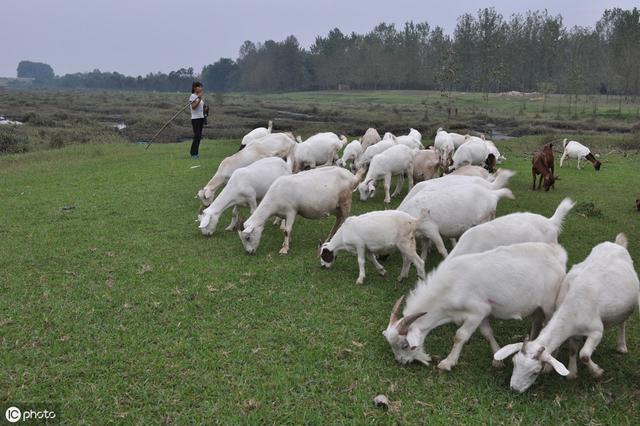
(194, 85)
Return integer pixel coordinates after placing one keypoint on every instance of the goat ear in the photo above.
(205, 221)
(413, 338)
(557, 365)
(507, 351)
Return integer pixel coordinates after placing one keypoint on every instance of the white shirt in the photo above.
(199, 111)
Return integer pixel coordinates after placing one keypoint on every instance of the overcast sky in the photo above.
(140, 36)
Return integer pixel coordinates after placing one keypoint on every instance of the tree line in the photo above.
(486, 52)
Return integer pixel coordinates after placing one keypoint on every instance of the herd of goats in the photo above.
(510, 267)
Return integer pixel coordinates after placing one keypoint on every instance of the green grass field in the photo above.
(114, 308)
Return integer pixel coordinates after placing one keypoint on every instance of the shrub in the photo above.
(10, 141)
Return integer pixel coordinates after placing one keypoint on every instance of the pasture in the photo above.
(115, 308)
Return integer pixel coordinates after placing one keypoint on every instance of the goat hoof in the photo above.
(572, 376)
(283, 251)
(497, 364)
(360, 281)
(382, 272)
(597, 372)
(229, 228)
(445, 365)
(622, 349)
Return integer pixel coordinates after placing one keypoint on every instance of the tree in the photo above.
(38, 70)
(220, 76)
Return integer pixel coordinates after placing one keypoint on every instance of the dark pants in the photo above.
(197, 124)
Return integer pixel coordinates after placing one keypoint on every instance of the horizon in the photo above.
(81, 37)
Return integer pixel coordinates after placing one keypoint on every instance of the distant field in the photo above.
(116, 309)
(60, 118)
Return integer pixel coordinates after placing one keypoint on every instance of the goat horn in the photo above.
(403, 327)
(394, 312)
(524, 343)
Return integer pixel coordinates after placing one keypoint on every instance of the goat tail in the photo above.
(621, 240)
(502, 178)
(561, 212)
(270, 126)
(564, 143)
(504, 193)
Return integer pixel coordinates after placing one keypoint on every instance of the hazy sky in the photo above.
(140, 36)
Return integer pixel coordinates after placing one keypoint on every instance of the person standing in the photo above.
(197, 117)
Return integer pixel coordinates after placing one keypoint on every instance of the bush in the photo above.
(56, 141)
(10, 141)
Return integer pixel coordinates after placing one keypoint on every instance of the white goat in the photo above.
(474, 151)
(512, 229)
(374, 150)
(351, 152)
(500, 181)
(575, 150)
(273, 145)
(457, 139)
(452, 211)
(312, 194)
(444, 145)
(257, 133)
(375, 233)
(598, 293)
(466, 290)
(395, 161)
(416, 135)
(412, 140)
(246, 187)
(319, 150)
(370, 137)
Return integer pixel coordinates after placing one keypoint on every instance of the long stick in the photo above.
(166, 124)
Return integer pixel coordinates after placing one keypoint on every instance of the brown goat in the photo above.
(638, 204)
(542, 164)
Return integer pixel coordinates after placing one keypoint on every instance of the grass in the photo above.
(114, 308)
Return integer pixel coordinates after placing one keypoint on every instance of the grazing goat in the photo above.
(444, 145)
(542, 164)
(312, 194)
(638, 204)
(474, 151)
(370, 137)
(412, 140)
(573, 149)
(246, 187)
(395, 161)
(351, 153)
(452, 211)
(272, 145)
(426, 165)
(601, 292)
(500, 181)
(468, 290)
(375, 233)
(374, 150)
(256, 134)
(319, 150)
(512, 229)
